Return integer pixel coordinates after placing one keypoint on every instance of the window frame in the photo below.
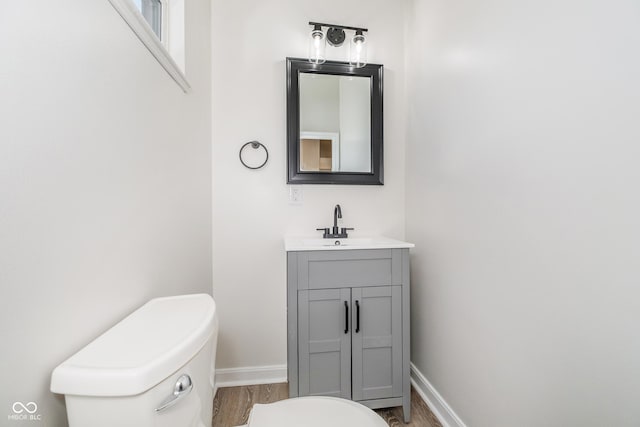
(158, 48)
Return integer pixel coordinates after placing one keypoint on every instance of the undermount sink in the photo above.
(319, 244)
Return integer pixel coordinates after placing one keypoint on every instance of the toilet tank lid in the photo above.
(142, 350)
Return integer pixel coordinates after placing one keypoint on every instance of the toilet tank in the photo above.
(125, 376)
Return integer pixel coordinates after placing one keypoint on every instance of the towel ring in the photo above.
(255, 145)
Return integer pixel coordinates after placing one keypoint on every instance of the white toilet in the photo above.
(314, 411)
(154, 368)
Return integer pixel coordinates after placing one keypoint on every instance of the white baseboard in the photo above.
(251, 375)
(432, 398)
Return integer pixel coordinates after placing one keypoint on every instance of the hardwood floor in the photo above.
(232, 405)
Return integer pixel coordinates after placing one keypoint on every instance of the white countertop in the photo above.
(319, 244)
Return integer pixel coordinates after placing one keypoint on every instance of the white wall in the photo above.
(251, 40)
(355, 124)
(523, 202)
(105, 184)
(319, 101)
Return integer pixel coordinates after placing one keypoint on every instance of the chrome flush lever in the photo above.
(182, 388)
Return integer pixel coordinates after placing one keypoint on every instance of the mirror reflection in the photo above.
(335, 123)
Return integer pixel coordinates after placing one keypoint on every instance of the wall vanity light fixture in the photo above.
(358, 50)
(336, 37)
(317, 44)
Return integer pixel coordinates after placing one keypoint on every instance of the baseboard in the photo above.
(432, 398)
(251, 375)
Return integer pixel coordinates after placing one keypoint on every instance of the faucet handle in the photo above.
(324, 230)
(345, 229)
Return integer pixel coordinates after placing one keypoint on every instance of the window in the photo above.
(152, 11)
(160, 26)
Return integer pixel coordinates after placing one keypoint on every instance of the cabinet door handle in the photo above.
(357, 316)
(346, 317)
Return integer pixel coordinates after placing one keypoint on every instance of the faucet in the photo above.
(335, 232)
(337, 213)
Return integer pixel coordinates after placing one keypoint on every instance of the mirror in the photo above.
(334, 123)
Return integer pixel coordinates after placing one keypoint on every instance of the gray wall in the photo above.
(105, 183)
(523, 202)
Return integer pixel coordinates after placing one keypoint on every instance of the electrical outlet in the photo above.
(295, 195)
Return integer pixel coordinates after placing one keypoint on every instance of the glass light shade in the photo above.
(317, 46)
(358, 50)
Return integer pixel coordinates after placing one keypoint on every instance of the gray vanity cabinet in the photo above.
(348, 325)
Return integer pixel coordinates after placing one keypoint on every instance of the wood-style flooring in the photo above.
(232, 405)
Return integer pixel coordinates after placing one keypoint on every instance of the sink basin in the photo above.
(319, 244)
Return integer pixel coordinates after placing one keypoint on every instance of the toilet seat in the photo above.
(314, 411)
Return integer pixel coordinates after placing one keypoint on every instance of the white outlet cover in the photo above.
(296, 196)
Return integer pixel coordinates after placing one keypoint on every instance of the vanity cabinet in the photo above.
(348, 325)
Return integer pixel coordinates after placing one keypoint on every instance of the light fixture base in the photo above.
(335, 36)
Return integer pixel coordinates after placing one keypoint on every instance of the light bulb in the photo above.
(358, 50)
(317, 44)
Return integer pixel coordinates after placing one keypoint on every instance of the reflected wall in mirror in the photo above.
(334, 123)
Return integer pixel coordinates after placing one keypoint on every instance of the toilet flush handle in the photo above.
(181, 389)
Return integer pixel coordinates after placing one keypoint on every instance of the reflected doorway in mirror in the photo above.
(319, 151)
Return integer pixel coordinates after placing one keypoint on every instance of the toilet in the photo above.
(154, 368)
(314, 411)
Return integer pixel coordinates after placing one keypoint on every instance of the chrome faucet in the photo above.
(335, 232)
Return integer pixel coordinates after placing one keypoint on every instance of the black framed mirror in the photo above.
(334, 123)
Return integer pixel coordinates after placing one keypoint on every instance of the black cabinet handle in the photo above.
(346, 317)
(357, 316)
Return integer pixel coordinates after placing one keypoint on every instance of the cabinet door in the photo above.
(377, 342)
(324, 342)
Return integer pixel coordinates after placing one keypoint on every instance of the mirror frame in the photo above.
(294, 176)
